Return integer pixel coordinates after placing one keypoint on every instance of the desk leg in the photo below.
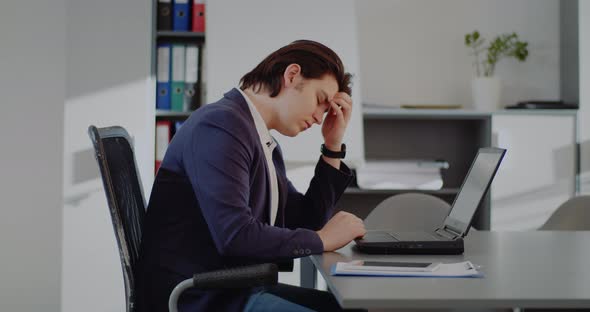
(308, 273)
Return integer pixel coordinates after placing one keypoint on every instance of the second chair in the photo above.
(408, 212)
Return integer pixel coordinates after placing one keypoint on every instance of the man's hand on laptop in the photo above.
(342, 228)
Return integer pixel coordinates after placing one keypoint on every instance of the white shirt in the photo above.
(268, 145)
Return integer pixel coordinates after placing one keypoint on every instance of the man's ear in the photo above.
(292, 75)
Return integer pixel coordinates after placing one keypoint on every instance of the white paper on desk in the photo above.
(411, 174)
(459, 269)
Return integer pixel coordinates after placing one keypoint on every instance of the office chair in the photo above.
(573, 215)
(121, 181)
(408, 212)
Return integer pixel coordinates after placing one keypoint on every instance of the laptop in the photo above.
(448, 238)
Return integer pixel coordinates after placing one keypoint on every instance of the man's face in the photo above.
(304, 102)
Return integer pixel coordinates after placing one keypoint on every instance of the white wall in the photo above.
(413, 52)
(108, 83)
(241, 33)
(584, 112)
(32, 89)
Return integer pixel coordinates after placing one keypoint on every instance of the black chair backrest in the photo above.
(122, 185)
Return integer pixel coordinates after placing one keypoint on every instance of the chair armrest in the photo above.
(240, 277)
(285, 265)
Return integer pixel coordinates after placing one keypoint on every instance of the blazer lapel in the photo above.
(283, 194)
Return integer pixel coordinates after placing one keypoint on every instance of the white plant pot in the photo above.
(486, 93)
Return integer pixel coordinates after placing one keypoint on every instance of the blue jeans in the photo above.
(265, 302)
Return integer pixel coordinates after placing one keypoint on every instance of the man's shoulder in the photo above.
(225, 114)
(224, 110)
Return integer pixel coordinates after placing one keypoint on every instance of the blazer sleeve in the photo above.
(314, 208)
(217, 161)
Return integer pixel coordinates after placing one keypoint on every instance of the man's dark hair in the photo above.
(314, 58)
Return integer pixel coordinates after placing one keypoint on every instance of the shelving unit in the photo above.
(182, 38)
(401, 134)
(164, 114)
(174, 35)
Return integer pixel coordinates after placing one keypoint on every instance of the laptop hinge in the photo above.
(448, 232)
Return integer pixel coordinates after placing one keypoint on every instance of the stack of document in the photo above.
(401, 174)
(459, 269)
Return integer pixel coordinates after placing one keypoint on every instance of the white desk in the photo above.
(522, 269)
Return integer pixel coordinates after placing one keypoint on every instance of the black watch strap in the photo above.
(332, 154)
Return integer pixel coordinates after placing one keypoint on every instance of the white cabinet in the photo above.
(538, 171)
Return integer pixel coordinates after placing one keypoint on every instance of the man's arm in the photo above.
(218, 165)
(334, 162)
(334, 125)
(314, 208)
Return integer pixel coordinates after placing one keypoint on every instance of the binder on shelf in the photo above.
(191, 78)
(164, 20)
(178, 68)
(163, 128)
(180, 21)
(198, 13)
(163, 84)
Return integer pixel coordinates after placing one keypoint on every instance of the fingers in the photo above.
(353, 221)
(344, 96)
(361, 230)
(344, 104)
(341, 230)
(344, 214)
(337, 110)
(343, 99)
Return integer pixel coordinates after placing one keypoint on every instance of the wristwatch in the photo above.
(328, 153)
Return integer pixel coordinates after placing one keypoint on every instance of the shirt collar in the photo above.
(261, 128)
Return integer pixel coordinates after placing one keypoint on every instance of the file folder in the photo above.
(164, 20)
(191, 78)
(178, 68)
(198, 16)
(163, 128)
(180, 22)
(464, 269)
(163, 84)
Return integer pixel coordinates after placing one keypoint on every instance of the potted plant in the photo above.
(486, 88)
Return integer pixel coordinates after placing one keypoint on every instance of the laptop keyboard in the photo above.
(414, 236)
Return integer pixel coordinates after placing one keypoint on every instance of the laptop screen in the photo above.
(474, 188)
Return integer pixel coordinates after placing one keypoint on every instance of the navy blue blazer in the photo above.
(209, 209)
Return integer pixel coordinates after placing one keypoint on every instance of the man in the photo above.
(221, 197)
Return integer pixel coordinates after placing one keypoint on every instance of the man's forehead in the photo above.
(327, 87)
